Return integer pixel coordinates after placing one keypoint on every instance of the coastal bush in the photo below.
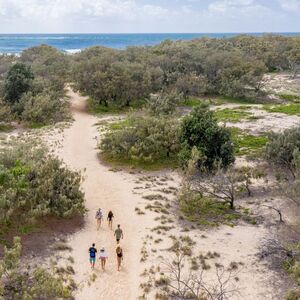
(144, 139)
(282, 150)
(34, 184)
(5, 112)
(33, 86)
(232, 67)
(18, 81)
(44, 108)
(200, 129)
(6, 62)
(49, 65)
(163, 104)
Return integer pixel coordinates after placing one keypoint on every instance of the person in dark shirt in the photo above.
(110, 218)
(92, 252)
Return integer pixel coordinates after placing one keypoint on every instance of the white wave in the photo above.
(72, 51)
(11, 53)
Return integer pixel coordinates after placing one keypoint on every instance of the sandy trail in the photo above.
(107, 190)
(123, 193)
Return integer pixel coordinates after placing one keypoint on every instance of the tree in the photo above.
(17, 82)
(200, 129)
(48, 64)
(224, 186)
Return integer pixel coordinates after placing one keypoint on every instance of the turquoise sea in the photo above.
(15, 43)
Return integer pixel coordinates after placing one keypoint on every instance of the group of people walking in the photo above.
(103, 256)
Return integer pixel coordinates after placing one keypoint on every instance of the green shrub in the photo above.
(200, 129)
(43, 109)
(163, 104)
(34, 184)
(17, 82)
(143, 139)
(282, 149)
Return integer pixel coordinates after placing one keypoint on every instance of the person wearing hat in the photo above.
(103, 257)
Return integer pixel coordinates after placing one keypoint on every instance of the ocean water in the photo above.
(71, 43)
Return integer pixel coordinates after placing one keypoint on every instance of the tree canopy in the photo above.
(200, 129)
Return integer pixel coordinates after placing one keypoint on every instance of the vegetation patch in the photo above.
(33, 87)
(6, 127)
(148, 142)
(231, 115)
(290, 97)
(206, 211)
(236, 100)
(18, 281)
(99, 108)
(33, 185)
(170, 163)
(247, 144)
(288, 109)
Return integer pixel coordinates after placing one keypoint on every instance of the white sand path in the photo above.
(107, 190)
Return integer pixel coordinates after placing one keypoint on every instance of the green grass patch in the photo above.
(5, 127)
(122, 124)
(35, 125)
(205, 211)
(231, 115)
(288, 109)
(192, 102)
(224, 100)
(168, 163)
(289, 97)
(247, 144)
(96, 108)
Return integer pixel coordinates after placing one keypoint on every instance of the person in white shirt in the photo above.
(103, 257)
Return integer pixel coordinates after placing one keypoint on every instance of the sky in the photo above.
(148, 16)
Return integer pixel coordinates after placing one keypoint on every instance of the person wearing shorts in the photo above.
(92, 252)
(110, 218)
(103, 257)
(119, 233)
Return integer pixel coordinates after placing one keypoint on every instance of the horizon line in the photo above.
(226, 32)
